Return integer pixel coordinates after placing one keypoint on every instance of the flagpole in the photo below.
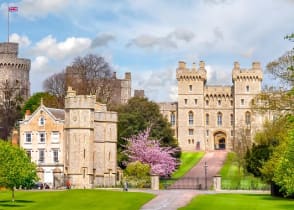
(8, 23)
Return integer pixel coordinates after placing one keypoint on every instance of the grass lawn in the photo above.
(232, 179)
(73, 200)
(239, 202)
(188, 160)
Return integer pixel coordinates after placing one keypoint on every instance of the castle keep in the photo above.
(14, 71)
(213, 117)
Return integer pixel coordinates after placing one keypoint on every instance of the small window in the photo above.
(242, 101)
(232, 119)
(195, 101)
(219, 119)
(207, 132)
(207, 102)
(192, 141)
(219, 102)
(29, 153)
(186, 101)
(55, 137)
(191, 132)
(42, 137)
(41, 155)
(191, 118)
(190, 87)
(232, 132)
(247, 88)
(55, 156)
(232, 103)
(172, 118)
(207, 119)
(189, 140)
(247, 118)
(28, 137)
(41, 121)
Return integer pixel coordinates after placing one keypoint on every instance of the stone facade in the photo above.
(87, 139)
(209, 117)
(41, 135)
(14, 70)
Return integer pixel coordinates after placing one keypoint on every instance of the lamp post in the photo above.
(205, 172)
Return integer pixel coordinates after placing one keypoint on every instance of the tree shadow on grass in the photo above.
(16, 203)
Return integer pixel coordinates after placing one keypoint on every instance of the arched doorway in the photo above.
(220, 140)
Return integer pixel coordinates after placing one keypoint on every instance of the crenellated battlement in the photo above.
(184, 73)
(73, 101)
(9, 48)
(255, 73)
(218, 92)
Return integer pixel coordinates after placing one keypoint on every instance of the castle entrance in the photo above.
(220, 140)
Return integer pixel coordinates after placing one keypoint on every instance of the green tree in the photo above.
(138, 174)
(16, 168)
(135, 116)
(35, 100)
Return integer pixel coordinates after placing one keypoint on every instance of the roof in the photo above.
(57, 113)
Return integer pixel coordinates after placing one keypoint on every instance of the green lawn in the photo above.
(73, 200)
(239, 202)
(232, 179)
(188, 160)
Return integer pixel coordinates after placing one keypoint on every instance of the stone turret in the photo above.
(184, 73)
(13, 69)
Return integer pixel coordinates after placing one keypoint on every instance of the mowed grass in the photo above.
(239, 202)
(188, 160)
(74, 200)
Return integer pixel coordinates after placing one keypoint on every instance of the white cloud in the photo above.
(23, 41)
(40, 64)
(102, 40)
(70, 47)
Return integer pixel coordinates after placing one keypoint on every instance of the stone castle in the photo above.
(210, 117)
(14, 71)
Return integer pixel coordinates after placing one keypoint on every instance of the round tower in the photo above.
(14, 70)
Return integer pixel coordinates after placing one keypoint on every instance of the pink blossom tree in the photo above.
(141, 148)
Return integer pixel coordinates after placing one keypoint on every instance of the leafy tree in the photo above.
(137, 174)
(147, 151)
(35, 100)
(16, 168)
(135, 116)
(10, 108)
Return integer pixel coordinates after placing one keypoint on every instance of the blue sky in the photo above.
(149, 37)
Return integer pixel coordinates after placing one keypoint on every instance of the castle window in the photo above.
(42, 137)
(232, 132)
(172, 119)
(192, 141)
(189, 140)
(29, 153)
(207, 102)
(55, 156)
(191, 132)
(28, 137)
(247, 88)
(232, 119)
(195, 101)
(247, 118)
(41, 155)
(231, 102)
(207, 132)
(219, 102)
(186, 101)
(242, 101)
(207, 119)
(219, 119)
(42, 121)
(190, 87)
(191, 116)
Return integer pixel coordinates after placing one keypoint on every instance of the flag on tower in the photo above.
(12, 9)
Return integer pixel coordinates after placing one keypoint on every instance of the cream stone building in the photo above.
(210, 117)
(75, 145)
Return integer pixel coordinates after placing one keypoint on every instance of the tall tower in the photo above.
(246, 85)
(78, 135)
(14, 71)
(191, 84)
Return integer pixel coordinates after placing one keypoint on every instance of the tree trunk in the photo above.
(12, 191)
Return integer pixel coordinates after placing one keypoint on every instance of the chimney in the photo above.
(27, 114)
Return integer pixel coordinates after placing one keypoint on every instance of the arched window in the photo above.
(247, 118)
(191, 116)
(41, 121)
(207, 119)
(172, 118)
(232, 119)
(219, 118)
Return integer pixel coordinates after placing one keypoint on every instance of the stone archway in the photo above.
(220, 140)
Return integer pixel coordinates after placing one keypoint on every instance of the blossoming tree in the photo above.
(147, 151)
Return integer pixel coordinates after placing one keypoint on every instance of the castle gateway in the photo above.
(214, 117)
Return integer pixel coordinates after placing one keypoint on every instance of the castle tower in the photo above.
(78, 135)
(246, 85)
(14, 71)
(191, 84)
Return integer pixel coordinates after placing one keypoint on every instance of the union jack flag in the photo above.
(12, 9)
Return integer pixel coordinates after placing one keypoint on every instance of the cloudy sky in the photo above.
(149, 37)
